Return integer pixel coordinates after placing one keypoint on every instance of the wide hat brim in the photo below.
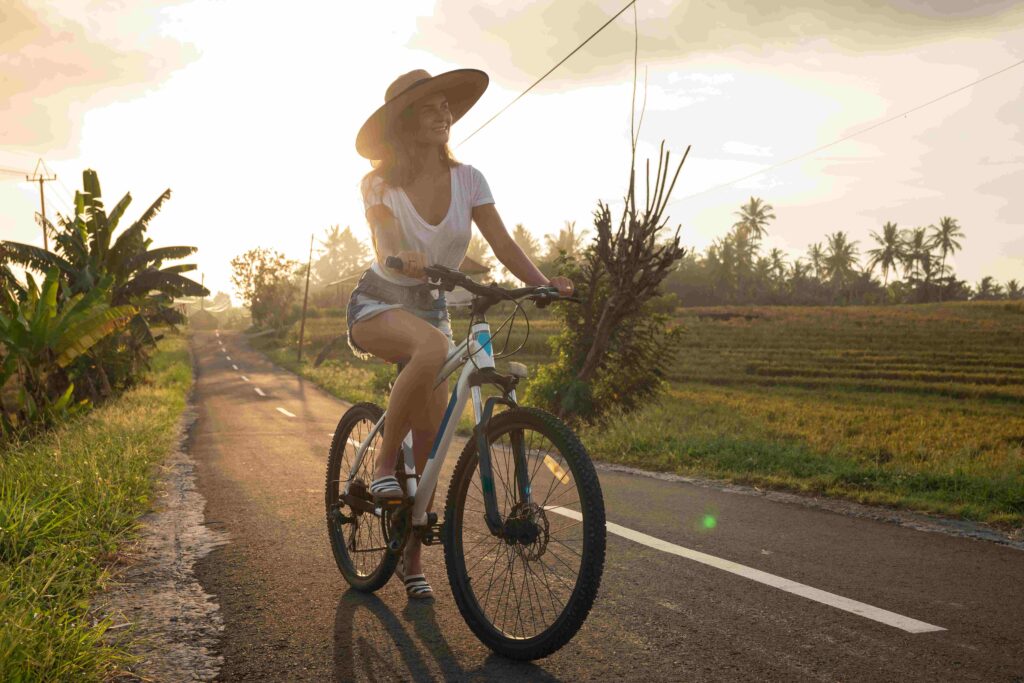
(462, 87)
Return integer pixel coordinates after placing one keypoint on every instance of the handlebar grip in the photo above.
(394, 262)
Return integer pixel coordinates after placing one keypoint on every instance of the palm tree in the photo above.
(754, 218)
(342, 254)
(778, 264)
(1013, 290)
(916, 250)
(799, 270)
(567, 241)
(889, 251)
(480, 251)
(944, 237)
(527, 242)
(988, 289)
(840, 259)
(816, 256)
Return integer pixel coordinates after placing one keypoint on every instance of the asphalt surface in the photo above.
(289, 615)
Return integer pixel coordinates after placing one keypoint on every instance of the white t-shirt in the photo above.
(445, 243)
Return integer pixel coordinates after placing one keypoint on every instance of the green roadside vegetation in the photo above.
(913, 406)
(68, 499)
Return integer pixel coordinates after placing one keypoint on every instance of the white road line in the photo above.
(244, 378)
(228, 357)
(260, 391)
(285, 412)
(234, 367)
(839, 602)
(217, 333)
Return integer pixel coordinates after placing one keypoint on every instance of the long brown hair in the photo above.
(399, 166)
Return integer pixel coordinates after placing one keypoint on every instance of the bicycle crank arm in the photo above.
(360, 504)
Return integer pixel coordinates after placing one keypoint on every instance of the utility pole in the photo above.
(40, 175)
(202, 299)
(305, 299)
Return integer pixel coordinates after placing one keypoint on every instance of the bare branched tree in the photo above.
(629, 259)
(616, 347)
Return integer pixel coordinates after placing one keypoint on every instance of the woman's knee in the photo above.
(432, 349)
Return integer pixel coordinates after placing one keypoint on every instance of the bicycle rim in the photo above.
(358, 538)
(526, 591)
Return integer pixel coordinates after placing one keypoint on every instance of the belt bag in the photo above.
(414, 296)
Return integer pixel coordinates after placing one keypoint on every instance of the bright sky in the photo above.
(248, 111)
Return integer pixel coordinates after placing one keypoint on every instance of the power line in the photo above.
(535, 83)
(851, 135)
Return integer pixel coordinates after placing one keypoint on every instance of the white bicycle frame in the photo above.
(477, 346)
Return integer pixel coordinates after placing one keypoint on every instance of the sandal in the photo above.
(416, 586)
(386, 488)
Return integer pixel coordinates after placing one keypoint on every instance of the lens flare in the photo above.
(709, 522)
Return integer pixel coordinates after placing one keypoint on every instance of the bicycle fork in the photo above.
(522, 475)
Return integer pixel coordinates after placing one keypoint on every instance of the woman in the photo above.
(419, 203)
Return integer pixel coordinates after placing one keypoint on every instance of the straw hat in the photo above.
(462, 87)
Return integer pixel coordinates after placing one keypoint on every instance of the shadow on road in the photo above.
(372, 643)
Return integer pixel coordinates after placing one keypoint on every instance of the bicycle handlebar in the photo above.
(449, 278)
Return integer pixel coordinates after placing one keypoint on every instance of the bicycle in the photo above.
(524, 521)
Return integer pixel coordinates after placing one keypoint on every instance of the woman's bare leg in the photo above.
(399, 336)
(424, 432)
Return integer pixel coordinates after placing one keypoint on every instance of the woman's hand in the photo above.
(413, 263)
(563, 284)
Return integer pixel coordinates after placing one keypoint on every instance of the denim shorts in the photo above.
(363, 307)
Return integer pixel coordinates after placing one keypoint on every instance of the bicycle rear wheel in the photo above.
(526, 590)
(359, 539)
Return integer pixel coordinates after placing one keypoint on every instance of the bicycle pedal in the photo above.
(432, 536)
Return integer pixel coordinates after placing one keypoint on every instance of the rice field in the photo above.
(919, 407)
(913, 406)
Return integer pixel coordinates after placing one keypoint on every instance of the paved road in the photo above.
(756, 606)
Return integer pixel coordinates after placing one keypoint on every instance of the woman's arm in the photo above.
(387, 241)
(508, 252)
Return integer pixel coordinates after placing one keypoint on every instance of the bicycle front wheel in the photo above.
(359, 539)
(526, 588)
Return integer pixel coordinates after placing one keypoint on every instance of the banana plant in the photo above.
(86, 252)
(41, 335)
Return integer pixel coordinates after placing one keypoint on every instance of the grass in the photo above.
(68, 499)
(919, 407)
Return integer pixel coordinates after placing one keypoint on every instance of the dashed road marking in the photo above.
(228, 357)
(244, 378)
(285, 412)
(839, 602)
(217, 333)
(234, 367)
(260, 391)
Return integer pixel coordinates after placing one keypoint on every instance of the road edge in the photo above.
(174, 624)
(904, 518)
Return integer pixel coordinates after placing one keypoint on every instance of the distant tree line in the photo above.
(270, 284)
(903, 266)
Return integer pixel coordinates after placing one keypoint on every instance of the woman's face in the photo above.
(432, 119)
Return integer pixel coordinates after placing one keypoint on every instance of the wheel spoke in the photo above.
(523, 580)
